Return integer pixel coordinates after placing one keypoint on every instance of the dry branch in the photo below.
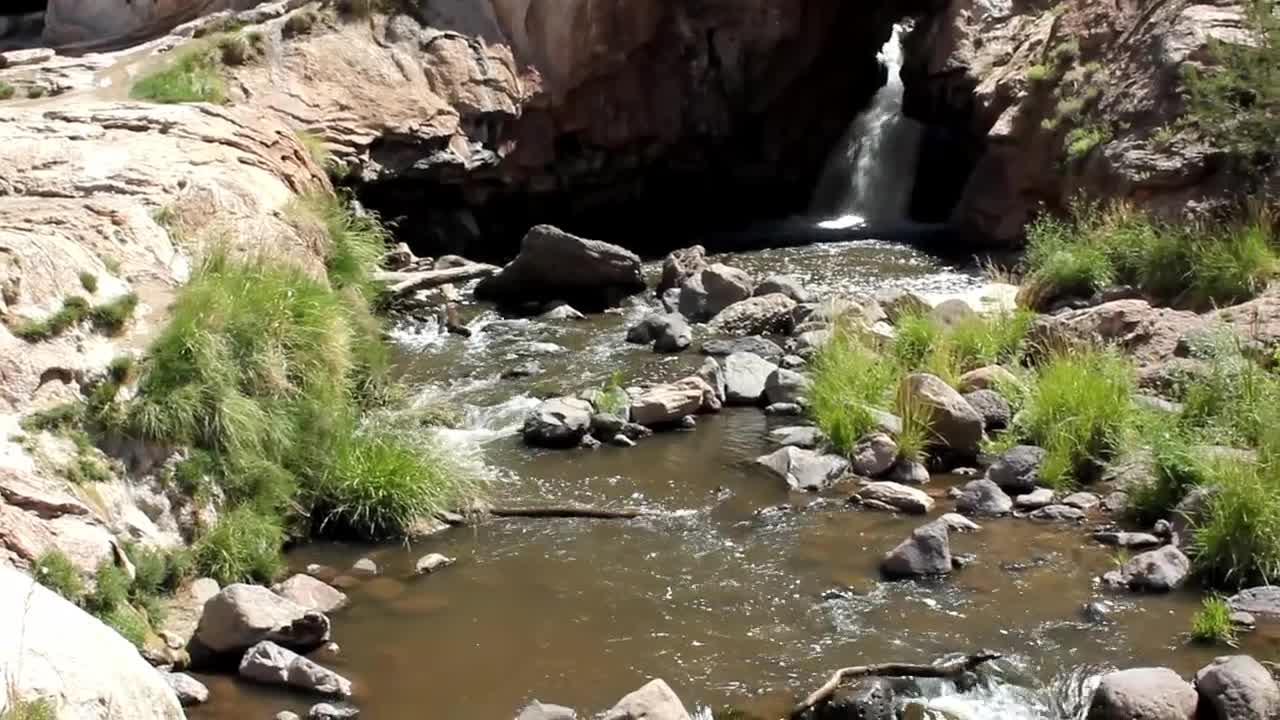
(949, 669)
(404, 283)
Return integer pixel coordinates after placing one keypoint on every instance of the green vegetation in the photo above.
(244, 546)
(237, 48)
(20, 709)
(60, 417)
(6, 90)
(612, 396)
(37, 91)
(1235, 102)
(1195, 265)
(1236, 541)
(924, 345)
(109, 317)
(1078, 409)
(1082, 140)
(849, 382)
(300, 22)
(194, 75)
(1037, 73)
(89, 281)
(55, 571)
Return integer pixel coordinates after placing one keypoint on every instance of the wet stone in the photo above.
(1034, 500)
(1097, 611)
(1057, 513)
(1082, 500)
(1263, 601)
(792, 362)
(1117, 538)
(286, 715)
(621, 440)
(798, 436)
(365, 566)
(431, 563)
(784, 410)
(909, 473)
(330, 711)
(542, 711)
(323, 573)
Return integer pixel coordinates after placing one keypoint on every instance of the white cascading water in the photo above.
(868, 179)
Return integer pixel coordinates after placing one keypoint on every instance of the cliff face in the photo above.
(1062, 98)
(602, 116)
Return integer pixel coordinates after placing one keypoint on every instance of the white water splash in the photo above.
(869, 177)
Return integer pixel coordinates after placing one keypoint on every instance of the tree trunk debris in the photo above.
(949, 669)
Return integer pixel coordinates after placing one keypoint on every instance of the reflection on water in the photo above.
(731, 607)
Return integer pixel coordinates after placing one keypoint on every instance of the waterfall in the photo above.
(869, 176)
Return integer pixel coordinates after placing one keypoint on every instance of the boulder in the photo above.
(241, 616)
(704, 295)
(959, 523)
(763, 315)
(1017, 470)
(1033, 500)
(898, 497)
(364, 566)
(331, 711)
(897, 302)
(874, 455)
(1143, 694)
(786, 386)
(655, 701)
(1238, 688)
(1158, 571)
(1085, 501)
(991, 377)
(954, 423)
(189, 690)
(927, 552)
(788, 285)
(951, 312)
(1057, 513)
(680, 265)
(558, 423)
(666, 404)
(1263, 601)
(745, 375)
(983, 497)
(909, 472)
(804, 469)
(50, 648)
(432, 562)
(753, 344)
(542, 711)
(1187, 514)
(993, 408)
(668, 333)
(270, 664)
(801, 436)
(1133, 540)
(311, 593)
(712, 374)
(861, 310)
(601, 273)
(671, 300)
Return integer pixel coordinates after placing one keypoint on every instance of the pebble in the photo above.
(431, 563)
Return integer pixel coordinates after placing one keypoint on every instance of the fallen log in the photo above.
(558, 511)
(404, 283)
(949, 669)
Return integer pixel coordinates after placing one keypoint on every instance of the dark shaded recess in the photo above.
(721, 184)
(23, 7)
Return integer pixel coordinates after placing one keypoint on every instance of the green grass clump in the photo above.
(300, 22)
(55, 571)
(244, 546)
(1078, 410)
(129, 622)
(110, 590)
(85, 469)
(357, 241)
(6, 90)
(611, 397)
(917, 434)
(89, 281)
(1236, 540)
(1037, 73)
(20, 709)
(921, 344)
(58, 418)
(1212, 622)
(240, 48)
(37, 91)
(195, 75)
(110, 317)
(849, 380)
(1082, 140)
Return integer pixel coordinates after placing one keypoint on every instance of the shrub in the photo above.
(244, 546)
(86, 469)
(1037, 73)
(55, 571)
(612, 397)
(195, 75)
(916, 336)
(21, 709)
(127, 621)
(110, 317)
(1175, 469)
(1069, 108)
(1078, 410)
(849, 380)
(300, 22)
(1082, 140)
(89, 281)
(6, 90)
(37, 91)
(60, 417)
(240, 48)
(1234, 401)
(1236, 540)
(110, 591)
(1212, 622)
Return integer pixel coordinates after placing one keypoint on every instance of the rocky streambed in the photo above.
(738, 591)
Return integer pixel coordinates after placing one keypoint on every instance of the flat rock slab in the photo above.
(1057, 513)
(1116, 538)
(1262, 601)
(896, 496)
(1034, 500)
(805, 469)
(799, 436)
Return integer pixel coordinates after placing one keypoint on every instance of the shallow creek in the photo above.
(731, 607)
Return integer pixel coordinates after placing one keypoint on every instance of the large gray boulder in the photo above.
(804, 469)
(1143, 694)
(874, 455)
(52, 649)
(993, 408)
(655, 701)
(554, 265)
(1159, 570)
(895, 496)
(786, 386)
(717, 287)
(241, 616)
(763, 315)
(270, 664)
(755, 344)
(681, 265)
(1237, 688)
(953, 422)
(984, 498)
(558, 423)
(1017, 470)
(788, 285)
(745, 375)
(311, 593)
(927, 552)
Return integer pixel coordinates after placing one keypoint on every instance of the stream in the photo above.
(731, 606)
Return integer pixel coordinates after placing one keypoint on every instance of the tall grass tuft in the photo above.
(55, 571)
(1212, 622)
(1236, 540)
(1078, 410)
(194, 75)
(849, 380)
(244, 546)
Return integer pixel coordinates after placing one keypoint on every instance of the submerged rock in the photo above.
(542, 711)
(601, 273)
(655, 701)
(271, 664)
(784, 409)
(804, 469)
(754, 344)
(927, 552)
(956, 425)
(898, 497)
(1017, 471)
(561, 311)
(311, 593)
(432, 562)
(983, 497)
(1238, 688)
(801, 436)
(558, 423)
(241, 616)
(870, 699)
(745, 375)
(1057, 513)
(1157, 571)
(1143, 694)
(874, 455)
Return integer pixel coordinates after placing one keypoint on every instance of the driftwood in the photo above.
(949, 669)
(404, 283)
(551, 511)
